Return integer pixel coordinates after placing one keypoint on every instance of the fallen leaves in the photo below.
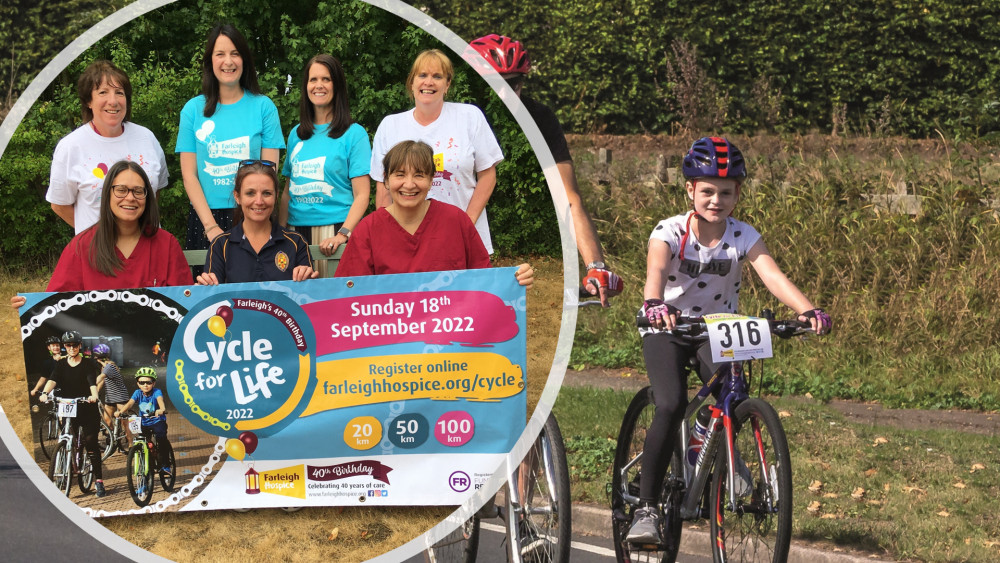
(333, 534)
(858, 493)
(871, 472)
(784, 414)
(958, 484)
(814, 507)
(917, 490)
(816, 486)
(879, 441)
(977, 467)
(944, 514)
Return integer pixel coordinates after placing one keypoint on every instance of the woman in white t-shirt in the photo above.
(82, 158)
(466, 152)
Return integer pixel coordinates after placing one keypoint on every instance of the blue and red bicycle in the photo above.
(742, 478)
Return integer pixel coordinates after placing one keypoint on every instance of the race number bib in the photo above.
(134, 424)
(735, 337)
(67, 409)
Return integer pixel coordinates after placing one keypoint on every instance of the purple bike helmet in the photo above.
(102, 351)
(714, 157)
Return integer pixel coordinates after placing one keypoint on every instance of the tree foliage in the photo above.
(161, 53)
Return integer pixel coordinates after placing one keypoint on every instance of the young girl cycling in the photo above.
(694, 268)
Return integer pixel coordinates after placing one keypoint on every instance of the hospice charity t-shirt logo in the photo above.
(242, 362)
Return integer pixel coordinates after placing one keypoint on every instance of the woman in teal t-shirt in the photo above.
(328, 160)
(231, 121)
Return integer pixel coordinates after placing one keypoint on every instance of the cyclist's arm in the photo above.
(657, 263)
(93, 394)
(586, 234)
(100, 381)
(49, 385)
(38, 386)
(159, 403)
(775, 280)
(125, 407)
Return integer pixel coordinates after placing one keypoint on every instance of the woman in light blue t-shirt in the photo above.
(328, 160)
(231, 121)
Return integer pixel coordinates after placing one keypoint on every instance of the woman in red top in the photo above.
(126, 248)
(415, 234)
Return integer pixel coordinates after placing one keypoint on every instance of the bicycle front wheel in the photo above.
(543, 520)
(625, 474)
(140, 475)
(85, 478)
(48, 434)
(60, 471)
(460, 546)
(752, 521)
(167, 478)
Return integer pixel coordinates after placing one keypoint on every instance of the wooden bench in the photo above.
(197, 258)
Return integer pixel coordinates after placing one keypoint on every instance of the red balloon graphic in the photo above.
(226, 313)
(249, 440)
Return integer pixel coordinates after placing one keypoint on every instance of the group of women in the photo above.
(229, 144)
(105, 175)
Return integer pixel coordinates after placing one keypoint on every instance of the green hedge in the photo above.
(891, 66)
(161, 54)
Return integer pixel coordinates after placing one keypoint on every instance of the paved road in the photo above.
(35, 528)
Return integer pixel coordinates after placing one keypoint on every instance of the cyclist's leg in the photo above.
(162, 444)
(90, 419)
(666, 363)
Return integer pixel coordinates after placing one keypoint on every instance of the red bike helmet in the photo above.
(505, 54)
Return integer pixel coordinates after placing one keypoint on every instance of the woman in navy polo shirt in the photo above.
(257, 248)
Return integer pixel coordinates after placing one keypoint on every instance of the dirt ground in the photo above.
(863, 413)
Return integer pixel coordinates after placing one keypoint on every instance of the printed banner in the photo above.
(390, 390)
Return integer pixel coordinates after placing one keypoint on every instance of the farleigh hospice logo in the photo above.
(242, 363)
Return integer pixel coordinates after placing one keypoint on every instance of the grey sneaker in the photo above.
(645, 526)
(744, 481)
(99, 488)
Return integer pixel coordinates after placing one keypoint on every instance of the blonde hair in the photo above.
(425, 59)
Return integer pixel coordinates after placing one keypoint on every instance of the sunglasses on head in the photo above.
(252, 162)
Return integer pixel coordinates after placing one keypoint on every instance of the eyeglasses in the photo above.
(251, 162)
(73, 344)
(120, 191)
(144, 382)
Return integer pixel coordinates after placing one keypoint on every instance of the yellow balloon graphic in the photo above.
(236, 449)
(217, 325)
(99, 173)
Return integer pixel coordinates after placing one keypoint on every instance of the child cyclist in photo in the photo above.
(694, 268)
(150, 401)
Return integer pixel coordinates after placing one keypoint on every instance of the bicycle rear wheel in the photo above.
(543, 521)
(460, 546)
(755, 524)
(60, 471)
(140, 474)
(625, 474)
(85, 478)
(48, 434)
(168, 479)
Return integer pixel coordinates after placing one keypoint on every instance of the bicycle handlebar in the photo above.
(695, 327)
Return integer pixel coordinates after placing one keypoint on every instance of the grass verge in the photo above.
(926, 495)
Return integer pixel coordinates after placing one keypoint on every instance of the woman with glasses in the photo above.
(126, 248)
(466, 152)
(81, 159)
(327, 162)
(257, 248)
(230, 121)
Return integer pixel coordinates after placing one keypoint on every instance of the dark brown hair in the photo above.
(241, 174)
(408, 154)
(341, 106)
(209, 84)
(102, 256)
(91, 78)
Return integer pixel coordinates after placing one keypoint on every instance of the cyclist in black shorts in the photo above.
(510, 59)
